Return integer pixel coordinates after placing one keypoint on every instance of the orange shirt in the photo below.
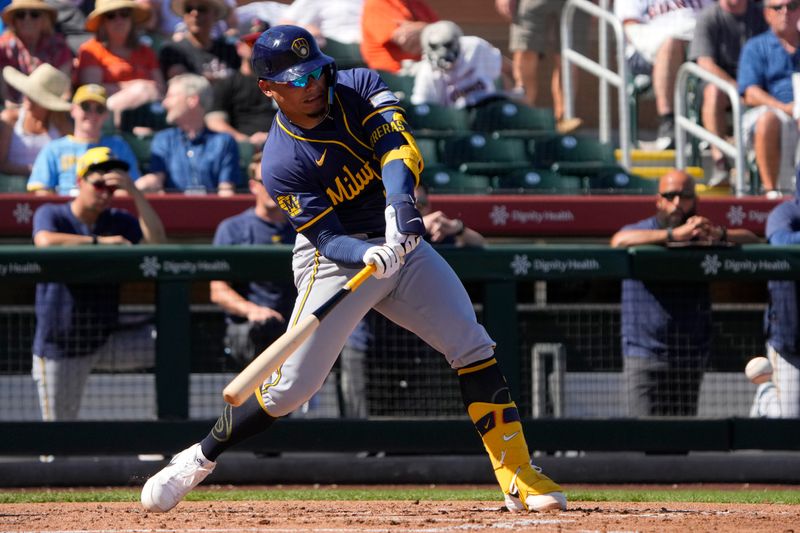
(379, 20)
(139, 66)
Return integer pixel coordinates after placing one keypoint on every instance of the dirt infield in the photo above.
(376, 516)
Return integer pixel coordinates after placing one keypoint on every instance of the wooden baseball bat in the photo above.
(260, 368)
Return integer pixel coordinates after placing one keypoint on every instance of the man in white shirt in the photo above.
(456, 71)
(658, 32)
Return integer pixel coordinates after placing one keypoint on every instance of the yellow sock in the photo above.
(501, 431)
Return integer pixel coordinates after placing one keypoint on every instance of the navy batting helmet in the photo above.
(285, 53)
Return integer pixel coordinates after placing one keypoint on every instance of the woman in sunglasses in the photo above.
(116, 59)
(29, 41)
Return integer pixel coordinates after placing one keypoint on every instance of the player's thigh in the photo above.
(306, 369)
(431, 302)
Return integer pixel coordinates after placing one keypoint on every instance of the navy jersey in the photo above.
(334, 167)
(660, 319)
(73, 319)
(247, 228)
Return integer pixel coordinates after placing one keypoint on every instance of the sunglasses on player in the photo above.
(302, 81)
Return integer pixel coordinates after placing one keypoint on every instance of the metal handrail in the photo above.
(683, 124)
(606, 76)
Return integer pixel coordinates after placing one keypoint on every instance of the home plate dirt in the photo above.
(408, 516)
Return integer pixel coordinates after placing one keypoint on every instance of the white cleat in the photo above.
(172, 483)
(552, 501)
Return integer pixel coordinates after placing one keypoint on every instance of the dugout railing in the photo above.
(533, 300)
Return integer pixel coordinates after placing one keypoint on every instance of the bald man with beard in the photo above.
(666, 326)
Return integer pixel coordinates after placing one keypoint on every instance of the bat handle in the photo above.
(359, 278)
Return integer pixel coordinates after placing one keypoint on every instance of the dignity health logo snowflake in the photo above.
(710, 265)
(520, 265)
(23, 213)
(736, 215)
(499, 215)
(150, 266)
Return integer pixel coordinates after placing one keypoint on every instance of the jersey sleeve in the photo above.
(44, 219)
(389, 135)
(783, 225)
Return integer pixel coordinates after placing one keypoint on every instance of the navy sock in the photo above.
(483, 382)
(234, 425)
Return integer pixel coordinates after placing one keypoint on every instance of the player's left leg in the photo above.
(431, 302)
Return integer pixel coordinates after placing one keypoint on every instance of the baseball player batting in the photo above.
(342, 163)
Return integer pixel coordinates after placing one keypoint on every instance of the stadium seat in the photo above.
(151, 115)
(621, 182)
(510, 119)
(429, 148)
(347, 55)
(539, 181)
(430, 120)
(442, 179)
(575, 156)
(478, 153)
(12, 184)
(140, 147)
(401, 85)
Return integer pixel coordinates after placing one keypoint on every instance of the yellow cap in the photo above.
(91, 92)
(100, 158)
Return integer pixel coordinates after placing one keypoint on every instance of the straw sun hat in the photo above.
(36, 5)
(101, 7)
(46, 85)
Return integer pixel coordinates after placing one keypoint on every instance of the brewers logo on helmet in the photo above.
(286, 53)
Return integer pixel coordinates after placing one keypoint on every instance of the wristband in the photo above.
(94, 239)
(461, 228)
(670, 238)
(724, 235)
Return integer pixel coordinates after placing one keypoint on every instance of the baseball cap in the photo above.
(101, 159)
(91, 92)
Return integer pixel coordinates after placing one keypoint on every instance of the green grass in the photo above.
(743, 495)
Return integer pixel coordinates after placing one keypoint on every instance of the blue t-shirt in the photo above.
(781, 319)
(247, 228)
(765, 63)
(664, 319)
(73, 320)
(54, 166)
(206, 161)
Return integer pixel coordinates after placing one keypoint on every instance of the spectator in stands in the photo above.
(390, 32)
(116, 59)
(766, 65)
(255, 311)
(666, 326)
(198, 51)
(54, 167)
(190, 157)
(257, 14)
(30, 40)
(721, 31)
(457, 71)
(239, 108)
(658, 32)
(71, 21)
(42, 117)
(339, 20)
(782, 318)
(73, 321)
(441, 229)
(535, 33)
